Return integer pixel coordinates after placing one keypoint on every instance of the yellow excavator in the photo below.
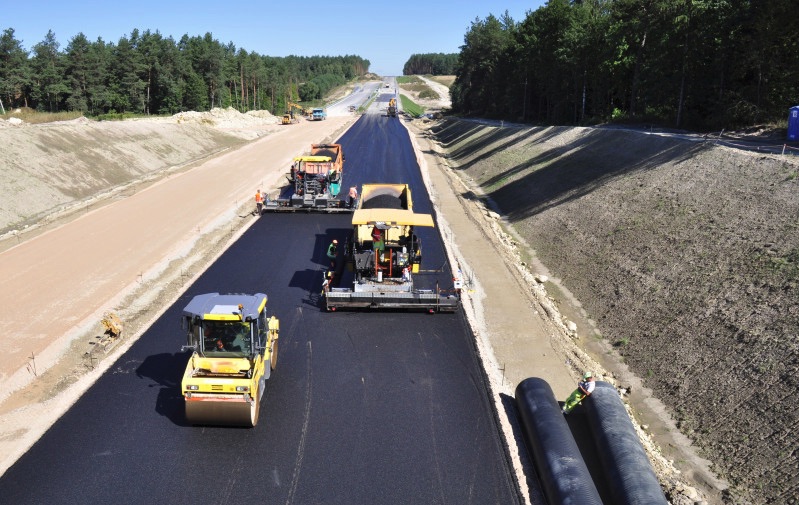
(289, 117)
(234, 350)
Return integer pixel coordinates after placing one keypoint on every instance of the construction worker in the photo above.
(332, 251)
(327, 281)
(259, 202)
(584, 388)
(378, 245)
(353, 196)
(457, 284)
(377, 238)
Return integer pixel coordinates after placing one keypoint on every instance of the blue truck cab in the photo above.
(318, 114)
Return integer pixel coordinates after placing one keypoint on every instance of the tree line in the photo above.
(431, 64)
(147, 73)
(698, 64)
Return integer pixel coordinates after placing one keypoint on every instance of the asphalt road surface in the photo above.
(364, 407)
(358, 97)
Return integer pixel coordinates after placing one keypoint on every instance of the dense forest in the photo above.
(697, 64)
(146, 73)
(431, 63)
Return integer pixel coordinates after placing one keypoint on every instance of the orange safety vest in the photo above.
(258, 197)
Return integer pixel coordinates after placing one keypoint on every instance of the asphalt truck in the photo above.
(233, 352)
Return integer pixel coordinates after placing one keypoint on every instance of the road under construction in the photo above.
(367, 407)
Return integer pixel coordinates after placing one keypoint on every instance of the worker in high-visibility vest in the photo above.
(584, 388)
(332, 252)
(377, 239)
(259, 202)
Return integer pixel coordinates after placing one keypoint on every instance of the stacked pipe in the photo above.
(630, 476)
(562, 471)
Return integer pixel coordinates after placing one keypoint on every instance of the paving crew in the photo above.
(332, 251)
(353, 196)
(327, 281)
(377, 238)
(584, 388)
(457, 284)
(259, 202)
(378, 245)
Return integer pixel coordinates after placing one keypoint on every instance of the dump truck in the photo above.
(314, 182)
(233, 352)
(384, 253)
(318, 114)
(391, 111)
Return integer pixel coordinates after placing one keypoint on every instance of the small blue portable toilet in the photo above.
(793, 123)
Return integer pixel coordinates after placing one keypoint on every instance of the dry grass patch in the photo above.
(34, 117)
(446, 80)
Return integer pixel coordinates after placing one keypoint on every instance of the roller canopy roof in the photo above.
(225, 307)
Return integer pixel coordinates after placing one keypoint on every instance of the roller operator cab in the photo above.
(234, 350)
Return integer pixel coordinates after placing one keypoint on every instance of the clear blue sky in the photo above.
(385, 33)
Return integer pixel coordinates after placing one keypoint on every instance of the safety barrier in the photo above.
(558, 462)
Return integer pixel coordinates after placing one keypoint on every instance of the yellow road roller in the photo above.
(234, 350)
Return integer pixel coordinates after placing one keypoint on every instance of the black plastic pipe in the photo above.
(560, 467)
(630, 476)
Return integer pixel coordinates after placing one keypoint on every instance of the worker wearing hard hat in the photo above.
(332, 251)
(584, 388)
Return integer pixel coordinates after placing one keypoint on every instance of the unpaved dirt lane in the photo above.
(58, 284)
